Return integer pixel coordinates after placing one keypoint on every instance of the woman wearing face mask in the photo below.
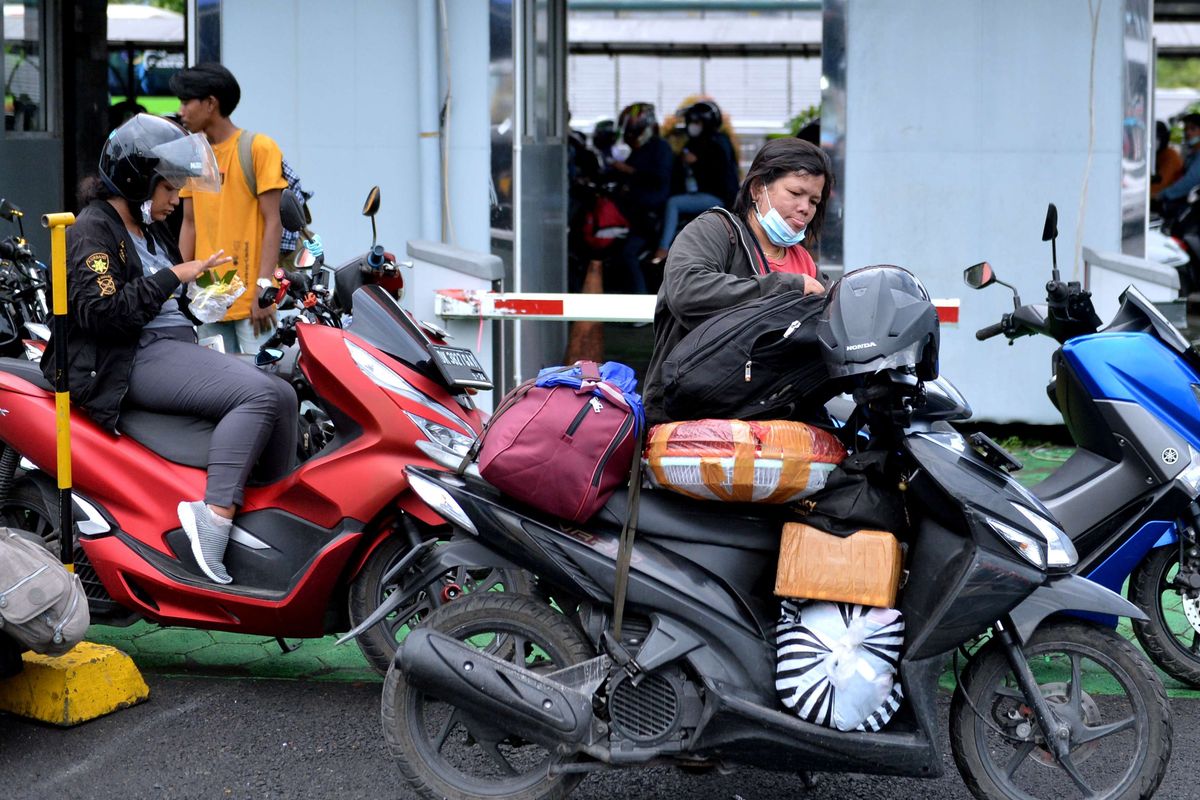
(130, 340)
(724, 258)
(709, 169)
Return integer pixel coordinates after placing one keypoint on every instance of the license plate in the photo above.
(459, 367)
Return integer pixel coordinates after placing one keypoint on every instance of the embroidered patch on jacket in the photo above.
(97, 263)
(107, 285)
(121, 252)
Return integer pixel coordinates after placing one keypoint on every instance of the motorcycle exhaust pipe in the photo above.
(499, 693)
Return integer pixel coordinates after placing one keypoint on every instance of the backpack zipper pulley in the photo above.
(747, 378)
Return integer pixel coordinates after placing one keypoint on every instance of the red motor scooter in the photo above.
(310, 553)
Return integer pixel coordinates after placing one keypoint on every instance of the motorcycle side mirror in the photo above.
(291, 213)
(267, 356)
(979, 276)
(1050, 230)
(8, 210)
(371, 206)
(370, 209)
(1050, 234)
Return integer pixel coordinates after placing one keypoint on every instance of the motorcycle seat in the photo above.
(668, 515)
(175, 437)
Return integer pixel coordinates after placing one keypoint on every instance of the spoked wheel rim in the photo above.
(471, 753)
(451, 585)
(18, 513)
(1094, 700)
(1178, 614)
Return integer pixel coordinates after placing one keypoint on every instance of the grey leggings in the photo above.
(255, 412)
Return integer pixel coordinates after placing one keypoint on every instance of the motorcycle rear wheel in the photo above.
(443, 753)
(26, 508)
(1098, 685)
(368, 591)
(1170, 639)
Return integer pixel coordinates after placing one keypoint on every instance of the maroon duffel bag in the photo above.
(561, 449)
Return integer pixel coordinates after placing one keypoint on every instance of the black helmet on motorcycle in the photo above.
(878, 318)
(604, 135)
(147, 149)
(637, 123)
(705, 112)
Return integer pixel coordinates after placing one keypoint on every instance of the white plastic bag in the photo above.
(836, 663)
(210, 303)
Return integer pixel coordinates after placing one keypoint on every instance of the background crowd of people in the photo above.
(638, 181)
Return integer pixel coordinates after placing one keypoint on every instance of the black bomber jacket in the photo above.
(109, 301)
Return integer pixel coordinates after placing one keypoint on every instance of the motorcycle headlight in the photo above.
(447, 438)
(1050, 548)
(383, 375)
(1190, 477)
(437, 498)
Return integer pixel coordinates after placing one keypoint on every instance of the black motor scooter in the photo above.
(506, 696)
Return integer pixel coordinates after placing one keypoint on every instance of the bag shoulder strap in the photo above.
(625, 548)
(508, 401)
(759, 265)
(245, 148)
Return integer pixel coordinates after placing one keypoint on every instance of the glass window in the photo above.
(24, 76)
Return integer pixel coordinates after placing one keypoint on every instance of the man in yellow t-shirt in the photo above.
(244, 225)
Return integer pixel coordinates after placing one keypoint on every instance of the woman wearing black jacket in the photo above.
(130, 340)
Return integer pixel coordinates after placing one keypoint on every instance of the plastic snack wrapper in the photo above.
(733, 460)
(210, 303)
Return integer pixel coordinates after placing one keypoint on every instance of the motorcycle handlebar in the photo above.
(990, 331)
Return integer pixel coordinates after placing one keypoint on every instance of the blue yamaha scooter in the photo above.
(1129, 393)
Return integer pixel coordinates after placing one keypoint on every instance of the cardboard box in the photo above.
(863, 568)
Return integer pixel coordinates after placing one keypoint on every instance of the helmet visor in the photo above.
(188, 163)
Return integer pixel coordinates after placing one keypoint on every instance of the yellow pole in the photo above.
(58, 223)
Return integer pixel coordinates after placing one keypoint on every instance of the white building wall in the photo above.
(335, 84)
(964, 119)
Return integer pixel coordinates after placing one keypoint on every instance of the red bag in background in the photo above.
(560, 449)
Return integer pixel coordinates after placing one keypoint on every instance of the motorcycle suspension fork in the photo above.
(1187, 579)
(1057, 733)
(8, 470)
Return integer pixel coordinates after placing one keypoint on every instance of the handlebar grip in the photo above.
(990, 331)
(376, 257)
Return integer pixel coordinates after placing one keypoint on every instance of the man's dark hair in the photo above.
(208, 80)
(780, 157)
(1191, 119)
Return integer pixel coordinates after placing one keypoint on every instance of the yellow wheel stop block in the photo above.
(88, 682)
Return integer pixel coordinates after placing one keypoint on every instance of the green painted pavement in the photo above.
(184, 651)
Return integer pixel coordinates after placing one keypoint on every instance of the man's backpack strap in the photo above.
(245, 148)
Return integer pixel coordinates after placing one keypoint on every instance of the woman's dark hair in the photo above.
(208, 80)
(780, 157)
(91, 188)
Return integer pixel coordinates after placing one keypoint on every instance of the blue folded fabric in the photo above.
(614, 373)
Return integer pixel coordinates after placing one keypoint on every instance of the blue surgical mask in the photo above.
(694, 129)
(1192, 142)
(776, 228)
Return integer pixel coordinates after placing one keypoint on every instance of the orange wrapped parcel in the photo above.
(775, 461)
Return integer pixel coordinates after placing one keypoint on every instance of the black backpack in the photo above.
(758, 360)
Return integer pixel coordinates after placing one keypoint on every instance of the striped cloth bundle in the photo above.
(835, 663)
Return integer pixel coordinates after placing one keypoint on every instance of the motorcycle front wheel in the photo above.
(442, 751)
(1171, 635)
(1108, 702)
(368, 591)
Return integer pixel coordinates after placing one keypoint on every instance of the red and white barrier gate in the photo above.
(481, 304)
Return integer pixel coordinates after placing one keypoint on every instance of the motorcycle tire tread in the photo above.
(1097, 638)
(1153, 636)
(512, 607)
